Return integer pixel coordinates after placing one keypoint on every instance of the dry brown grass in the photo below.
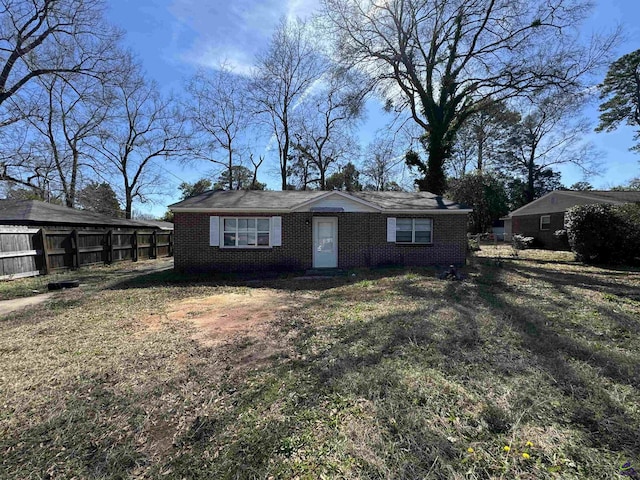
(388, 374)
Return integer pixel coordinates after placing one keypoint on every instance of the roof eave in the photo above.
(294, 210)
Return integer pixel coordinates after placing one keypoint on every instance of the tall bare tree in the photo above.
(220, 113)
(323, 138)
(380, 164)
(50, 37)
(549, 135)
(74, 111)
(285, 72)
(440, 59)
(44, 42)
(142, 128)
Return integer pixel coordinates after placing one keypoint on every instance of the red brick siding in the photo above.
(362, 241)
(529, 226)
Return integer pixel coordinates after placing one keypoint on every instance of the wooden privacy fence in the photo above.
(26, 252)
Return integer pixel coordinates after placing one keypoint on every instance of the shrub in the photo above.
(562, 237)
(520, 242)
(604, 233)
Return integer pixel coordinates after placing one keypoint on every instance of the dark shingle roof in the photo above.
(409, 201)
(561, 200)
(616, 196)
(33, 212)
(252, 200)
(248, 199)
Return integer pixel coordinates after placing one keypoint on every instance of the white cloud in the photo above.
(208, 34)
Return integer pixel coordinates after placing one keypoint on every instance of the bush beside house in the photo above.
(603, 233)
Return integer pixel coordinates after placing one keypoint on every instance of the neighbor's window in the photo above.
(246, 232)
(545, 221)
(413, 230)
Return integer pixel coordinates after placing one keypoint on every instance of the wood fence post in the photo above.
(45, 252)
(109, 248)
(75, 249)
(154, 248)
(134, 246)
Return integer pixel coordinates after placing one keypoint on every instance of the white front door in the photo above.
(325, 242)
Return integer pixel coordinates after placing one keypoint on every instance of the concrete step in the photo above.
(325, 272)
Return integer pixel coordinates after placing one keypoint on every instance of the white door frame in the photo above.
(325, 259)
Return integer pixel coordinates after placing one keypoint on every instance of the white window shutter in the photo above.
(214, 231)
(391, 229)
(276, 231)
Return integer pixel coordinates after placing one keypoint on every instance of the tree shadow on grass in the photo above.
(289, 417)
(79, 440)
(309, 394)
(588, 402)
(288, 281)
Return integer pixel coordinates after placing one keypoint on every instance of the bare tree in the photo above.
(74, 111)
(284, 75)
(45, 42)
(548, 135)
(50, 37)
(25, 163)
(440, 59)
(220, 114)
(256, 165)
(143, 127)
(381, 164)
(323, 138)
(480, 141)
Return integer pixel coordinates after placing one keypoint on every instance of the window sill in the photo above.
(246, 247)
(409, 244)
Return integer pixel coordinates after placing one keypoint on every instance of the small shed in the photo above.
(545, 215)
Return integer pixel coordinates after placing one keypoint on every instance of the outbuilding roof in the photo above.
(289, 200)
(561, 200)
(34, 212)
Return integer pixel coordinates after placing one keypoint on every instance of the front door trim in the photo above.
(325, 250)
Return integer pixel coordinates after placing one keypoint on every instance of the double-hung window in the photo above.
(414, 230)
(246, 232)
(545, 222)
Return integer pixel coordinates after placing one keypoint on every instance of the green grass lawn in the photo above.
(529, 369)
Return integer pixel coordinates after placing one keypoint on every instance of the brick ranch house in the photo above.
(299, 230)
(542, 217)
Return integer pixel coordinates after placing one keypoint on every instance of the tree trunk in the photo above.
(435, 181)
(128, 205)
(230, 169)
(530, 193)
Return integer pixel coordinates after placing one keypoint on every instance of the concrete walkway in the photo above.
(8, 306)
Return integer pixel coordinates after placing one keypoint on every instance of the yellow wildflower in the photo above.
(506, 448)
(529, 444)
(470, 450)
(525, 455)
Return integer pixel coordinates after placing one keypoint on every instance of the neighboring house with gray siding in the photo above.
(542, 217)
(298, 230)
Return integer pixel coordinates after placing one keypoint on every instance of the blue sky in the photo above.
(174, 37)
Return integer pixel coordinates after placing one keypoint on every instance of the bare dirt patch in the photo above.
(244, 319)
